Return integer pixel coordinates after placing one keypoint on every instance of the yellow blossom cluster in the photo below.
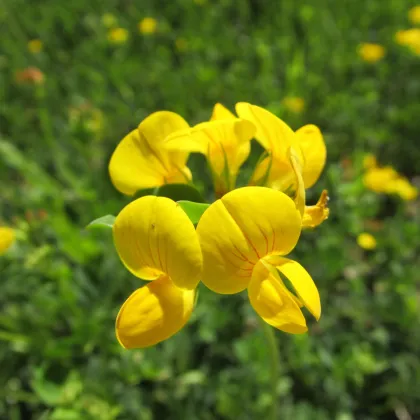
(387, 180)
(241, 240)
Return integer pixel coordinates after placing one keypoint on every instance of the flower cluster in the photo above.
(241, 240)
(385, 179)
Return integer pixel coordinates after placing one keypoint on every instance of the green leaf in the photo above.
(193, 210)
(175, 192)
(103, 222)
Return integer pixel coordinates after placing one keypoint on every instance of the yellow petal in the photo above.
(273, 302)
(301, 281)
(153, 236)
(243, 226)
(315, 215)
(153, 313)
(140, 161)
(221, 113)
(273, 133)
(226, 143)
(314, 152)
(300, 187)
(7, 237)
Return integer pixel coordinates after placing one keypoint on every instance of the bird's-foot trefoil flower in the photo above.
(156, 241)
(256, 228)
(140, 160)
(7, 237)
(274, 170)
(224, 140)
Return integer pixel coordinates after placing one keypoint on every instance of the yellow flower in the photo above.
(30, 75)
(140, 160)
(7, 237)
(414, 15)
(244, 239)
(147, 26)
(117, 35)
(366, 241)
(35, 46)
(156, 241)
(378, 179)
(294, 104)
(277, 138)
(315, 215)
(371, 52)
(387, 180)
(369, 161)
(402, 187)
(109, 20)
(224, 140)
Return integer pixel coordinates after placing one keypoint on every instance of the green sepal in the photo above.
(104, 222)
(193, 210)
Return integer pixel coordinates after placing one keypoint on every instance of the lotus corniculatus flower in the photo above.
(140, 161)
(156, 241)
(256, 228)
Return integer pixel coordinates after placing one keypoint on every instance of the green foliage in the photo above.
(62, 285)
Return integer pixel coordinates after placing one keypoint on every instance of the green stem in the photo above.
(273, 350)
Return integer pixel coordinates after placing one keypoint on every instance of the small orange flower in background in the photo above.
(294, 104)
(414, 15)
(371, 53)
(366, 241)
(30, 75)
(118, 35)
(147, 26)
(7, 237)
(35, 46)
(409, 38)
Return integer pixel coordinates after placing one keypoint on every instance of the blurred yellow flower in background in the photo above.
(369, 161)
(35, 46)
(294, 104)
(117, 35)
(371, 53)
(109, 20)
(414, 15)
(409, 38)
(387, 180)
(7, 237)
(366, 241)
(147, 26)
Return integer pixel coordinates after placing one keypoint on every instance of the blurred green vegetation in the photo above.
(61, 286)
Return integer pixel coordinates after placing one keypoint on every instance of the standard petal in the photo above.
(274, 303)
(134, 165)
(273, 133)
(302, 282)
(156, 128)
(220, 112)
(153, 236)
(300, 195)
(153, 313)
(239, 229)
(7, 237)
(314, 152)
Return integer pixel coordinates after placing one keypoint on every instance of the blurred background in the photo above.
(77, 76)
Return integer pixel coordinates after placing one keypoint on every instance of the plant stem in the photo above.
(273, 349)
